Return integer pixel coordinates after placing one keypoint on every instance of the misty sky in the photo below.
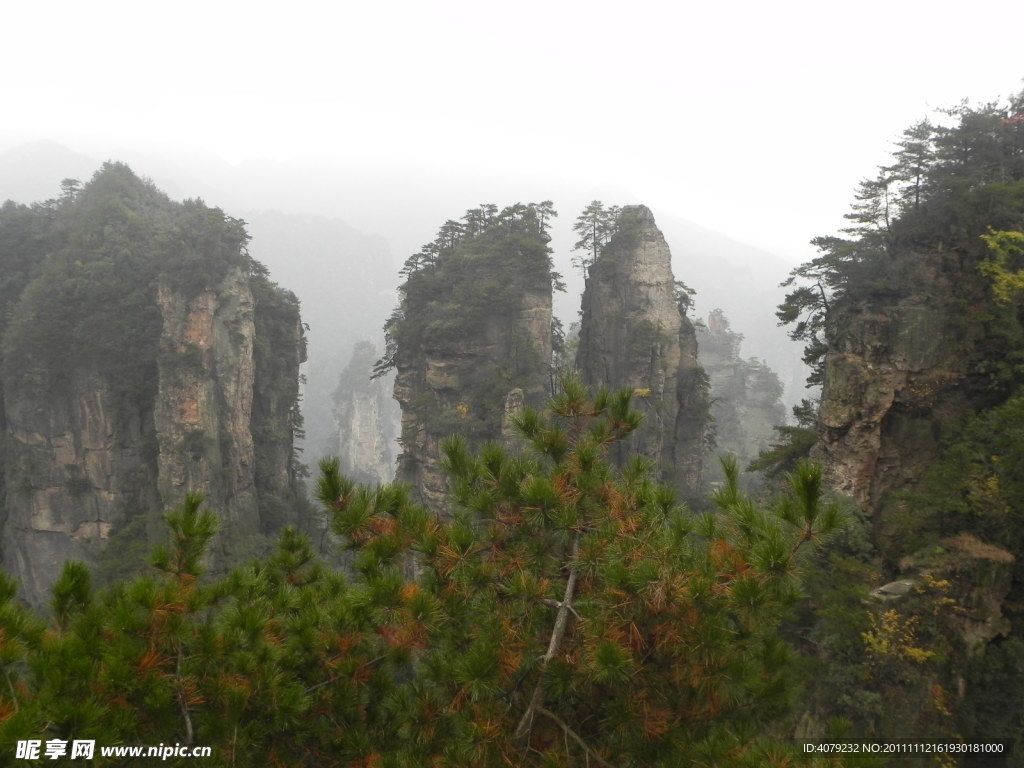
(753, 118)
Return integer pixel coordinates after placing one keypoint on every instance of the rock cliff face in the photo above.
(474, 325)
(80, 459)
(366, 420)
(746, 402)
(472, 343)
(169, 389)
(279, 350)
(634, 334)
(447, 388)
(898, 369)
(910, 363)
(203, 409)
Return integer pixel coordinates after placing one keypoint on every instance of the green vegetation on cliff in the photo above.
(84, 274)
(475, 272)
(472, 335)
(914, 325)
(948, 186)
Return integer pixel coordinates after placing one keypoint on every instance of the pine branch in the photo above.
(183, 699)
(335, 678)
(573, 735)
(10, 687)
(557, 635)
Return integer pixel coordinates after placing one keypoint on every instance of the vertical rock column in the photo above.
(484, 331)
(634, 334)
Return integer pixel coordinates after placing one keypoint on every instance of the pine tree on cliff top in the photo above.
(947, 186)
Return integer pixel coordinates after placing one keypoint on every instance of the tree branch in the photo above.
(183, 698)
(573, 735)
(10, 687)
(824, 298)
(557, 635)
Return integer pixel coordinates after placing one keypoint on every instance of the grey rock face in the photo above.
(366, 420)
(634, 334)
(457, 383)
(86, 459)
(896, 371)
(80, 459)
(203, 410)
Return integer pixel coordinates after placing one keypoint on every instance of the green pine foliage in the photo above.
(595, 225)
(476, 268)
(977, 484)
(568, 614)
(98, 254)
(573, 614)
(792, 443)
(940, 226)
(950, 183)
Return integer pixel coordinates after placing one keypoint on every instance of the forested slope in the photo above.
(914, 323)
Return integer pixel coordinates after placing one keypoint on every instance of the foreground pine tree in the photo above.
(572, 614)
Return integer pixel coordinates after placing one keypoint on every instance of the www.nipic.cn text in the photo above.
(85, 749)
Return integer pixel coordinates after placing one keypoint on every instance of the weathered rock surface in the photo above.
(148, 358)
(898, 368)
(80, 459)
(475, 325)
(86, 459)
(910, 354)
(634, 334)
(746, 402)
(438, 387)
(203, 410)
(366, 420)
(979, 577)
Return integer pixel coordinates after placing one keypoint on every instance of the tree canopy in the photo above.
(949, 183)
(443, 294)
(98, 253)
(595, 225)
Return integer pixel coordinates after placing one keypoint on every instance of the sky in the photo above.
(756, 119)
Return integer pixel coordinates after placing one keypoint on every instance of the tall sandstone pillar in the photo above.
(473, 340)
(635, 334)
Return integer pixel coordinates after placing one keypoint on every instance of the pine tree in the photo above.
(570, 613)
(595, 226)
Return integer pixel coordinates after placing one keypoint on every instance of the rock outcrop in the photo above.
(141, 368)
(916, 315)
(475, 324)
(915, 356)
(203, 408)
(366, 420)
(634, 334)
(461, 386)
(975, 576)
(80, 460)
(899, 367)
